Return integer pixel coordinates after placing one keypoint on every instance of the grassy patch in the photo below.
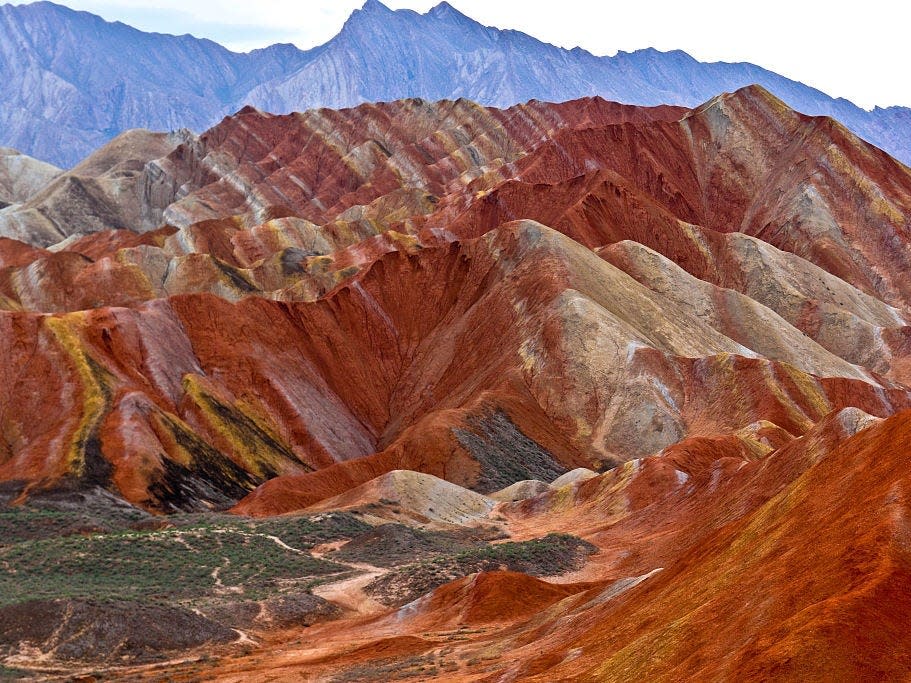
(9, 673)
(393, 545)
(18, 524)
(50, 554)
(551, 555)
(387, 669)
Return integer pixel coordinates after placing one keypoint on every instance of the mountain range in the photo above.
(70, 81)
(429, 389)
(438, 391)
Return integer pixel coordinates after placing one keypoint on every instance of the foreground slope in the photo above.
(703, 573)
(835, 612)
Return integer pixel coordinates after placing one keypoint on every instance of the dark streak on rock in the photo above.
(505, 454)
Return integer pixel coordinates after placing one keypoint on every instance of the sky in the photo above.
(860, 54)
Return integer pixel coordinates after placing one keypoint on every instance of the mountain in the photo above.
(102, 192)
(381, 54)
(594, 219)
(576, 391)
(70, 81)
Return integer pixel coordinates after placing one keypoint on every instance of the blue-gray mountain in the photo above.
(69, 81)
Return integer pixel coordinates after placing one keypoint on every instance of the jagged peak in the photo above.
(375, 7)
(445, 10)
(371, 11)
(247, 110)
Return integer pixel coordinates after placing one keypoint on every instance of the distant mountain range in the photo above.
(70, 81)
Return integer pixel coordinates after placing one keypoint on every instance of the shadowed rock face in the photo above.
(103, 192)
(77, 630)
(678, 335)
(505, 454)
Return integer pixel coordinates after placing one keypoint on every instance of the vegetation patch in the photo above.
(393, 545)
(66, 513)
(282, 611)
(86, 577)
(422, 666)
(48, 554)
(551, 555)
(10, 673)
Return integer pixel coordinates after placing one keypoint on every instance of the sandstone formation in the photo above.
(21, 176)
(679, 335)
(331, 249)
(104, 192)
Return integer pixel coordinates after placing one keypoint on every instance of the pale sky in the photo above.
(859, 53)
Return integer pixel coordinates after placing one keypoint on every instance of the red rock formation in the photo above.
(705, 303)
(403, 349)
(785, 611)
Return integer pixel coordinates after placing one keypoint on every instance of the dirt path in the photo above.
(349, 593)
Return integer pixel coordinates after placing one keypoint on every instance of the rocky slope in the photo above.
(21, 176)
(103, 192)
(703, 573)
(70, 81)
(322, 235)
(443, 336)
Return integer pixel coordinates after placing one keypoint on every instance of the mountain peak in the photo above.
(365, 17)
(443, 8)
(375, 7)
(438, 54)
(446, 11)
(753, 93)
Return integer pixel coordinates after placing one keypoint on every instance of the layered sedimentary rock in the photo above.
(104, 192)
(372, 241)
(21, 176)
(678, 334)
(70, 81)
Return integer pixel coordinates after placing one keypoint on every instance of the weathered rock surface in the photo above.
(21, 176)
(104, 192)
(681, 336)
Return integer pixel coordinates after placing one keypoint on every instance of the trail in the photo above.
(349, 593)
